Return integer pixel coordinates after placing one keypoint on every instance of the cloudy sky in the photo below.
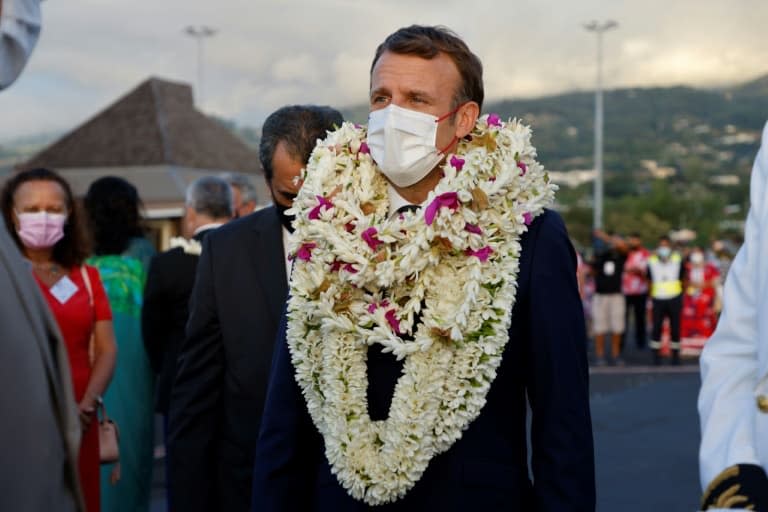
(268, 53)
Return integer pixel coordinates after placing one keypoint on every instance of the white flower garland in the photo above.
(360, 277)
(190, 246)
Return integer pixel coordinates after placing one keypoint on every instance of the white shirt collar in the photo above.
(288, 262)
(212, 225)
(396, 201)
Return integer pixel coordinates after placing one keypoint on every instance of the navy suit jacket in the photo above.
(487, 469)
(223, 366)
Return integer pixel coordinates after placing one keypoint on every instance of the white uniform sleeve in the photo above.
(729, 362)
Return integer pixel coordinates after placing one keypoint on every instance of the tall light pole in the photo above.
(599, 29)
(199, 34)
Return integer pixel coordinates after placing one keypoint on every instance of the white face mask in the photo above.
(697, 258)
(19, 30)
(402, 143)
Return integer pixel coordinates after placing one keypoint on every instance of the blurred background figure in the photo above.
(666, 269)
(243, 193)
(634, 285)
(122, 254)
(702, 280)
(40, 214)
(608, 305)
(171, 278)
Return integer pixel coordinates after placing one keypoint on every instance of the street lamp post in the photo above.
(199, 34)
(599, 29)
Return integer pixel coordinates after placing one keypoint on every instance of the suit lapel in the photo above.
(269, 258)
(34, 307)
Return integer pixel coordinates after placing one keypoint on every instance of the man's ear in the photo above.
(466, 117)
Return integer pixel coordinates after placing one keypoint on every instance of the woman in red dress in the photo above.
(40, 213)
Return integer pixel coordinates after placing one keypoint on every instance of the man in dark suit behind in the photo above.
(171, 275)
(240, 291)
(429, 70)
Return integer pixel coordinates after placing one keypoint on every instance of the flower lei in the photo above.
(189, 246)
(361, 276)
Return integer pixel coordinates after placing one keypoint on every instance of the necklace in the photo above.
(49, 268)
(434, 287)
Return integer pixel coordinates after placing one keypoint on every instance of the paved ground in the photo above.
(646, 438)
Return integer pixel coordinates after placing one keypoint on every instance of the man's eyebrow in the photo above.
(419, 94)
(379, 91)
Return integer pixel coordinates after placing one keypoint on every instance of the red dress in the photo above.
(76, 318)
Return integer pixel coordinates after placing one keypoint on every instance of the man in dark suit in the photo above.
(429, 73)
(240, 291)
(170, 278)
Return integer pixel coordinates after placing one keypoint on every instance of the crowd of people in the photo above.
(676, 289)
(375, 337)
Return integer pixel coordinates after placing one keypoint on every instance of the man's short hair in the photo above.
(427, 43)
(210, 195)
(299, 127)
(242, 183)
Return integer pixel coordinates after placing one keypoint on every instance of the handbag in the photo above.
(109, 434)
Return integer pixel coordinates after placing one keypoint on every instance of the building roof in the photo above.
(155, 124)
(162, 188)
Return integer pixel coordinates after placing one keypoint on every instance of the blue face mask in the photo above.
(664, 252)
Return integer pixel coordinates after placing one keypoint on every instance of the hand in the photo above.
(87, 409)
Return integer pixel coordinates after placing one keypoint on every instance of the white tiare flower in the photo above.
(189, 246)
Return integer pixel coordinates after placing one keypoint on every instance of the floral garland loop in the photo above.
(362, 277)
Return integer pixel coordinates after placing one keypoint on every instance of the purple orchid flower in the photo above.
(457, 163)
(393, 321)
(527, 218)
(481, 254)
(523, 168)
(350, 268)
(369, 235)
(374, 306)
(447, 199)
(473, 228)
(314, 213)
(364, 149)
(494, 120)
(305, 251)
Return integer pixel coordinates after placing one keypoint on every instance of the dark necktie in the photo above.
(408, 208)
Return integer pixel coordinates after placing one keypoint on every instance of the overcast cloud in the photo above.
(268, 53)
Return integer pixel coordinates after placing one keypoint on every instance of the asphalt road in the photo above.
(646, 434)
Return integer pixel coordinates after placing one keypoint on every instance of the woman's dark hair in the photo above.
(113, 206)
(71, 250)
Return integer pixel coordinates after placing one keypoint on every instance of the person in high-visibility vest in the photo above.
(665, 269)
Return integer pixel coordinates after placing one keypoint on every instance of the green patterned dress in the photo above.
(130, 397)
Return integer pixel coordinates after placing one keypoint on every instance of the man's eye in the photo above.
(379, 99)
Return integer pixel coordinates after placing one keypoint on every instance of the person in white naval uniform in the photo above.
(733, 401)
